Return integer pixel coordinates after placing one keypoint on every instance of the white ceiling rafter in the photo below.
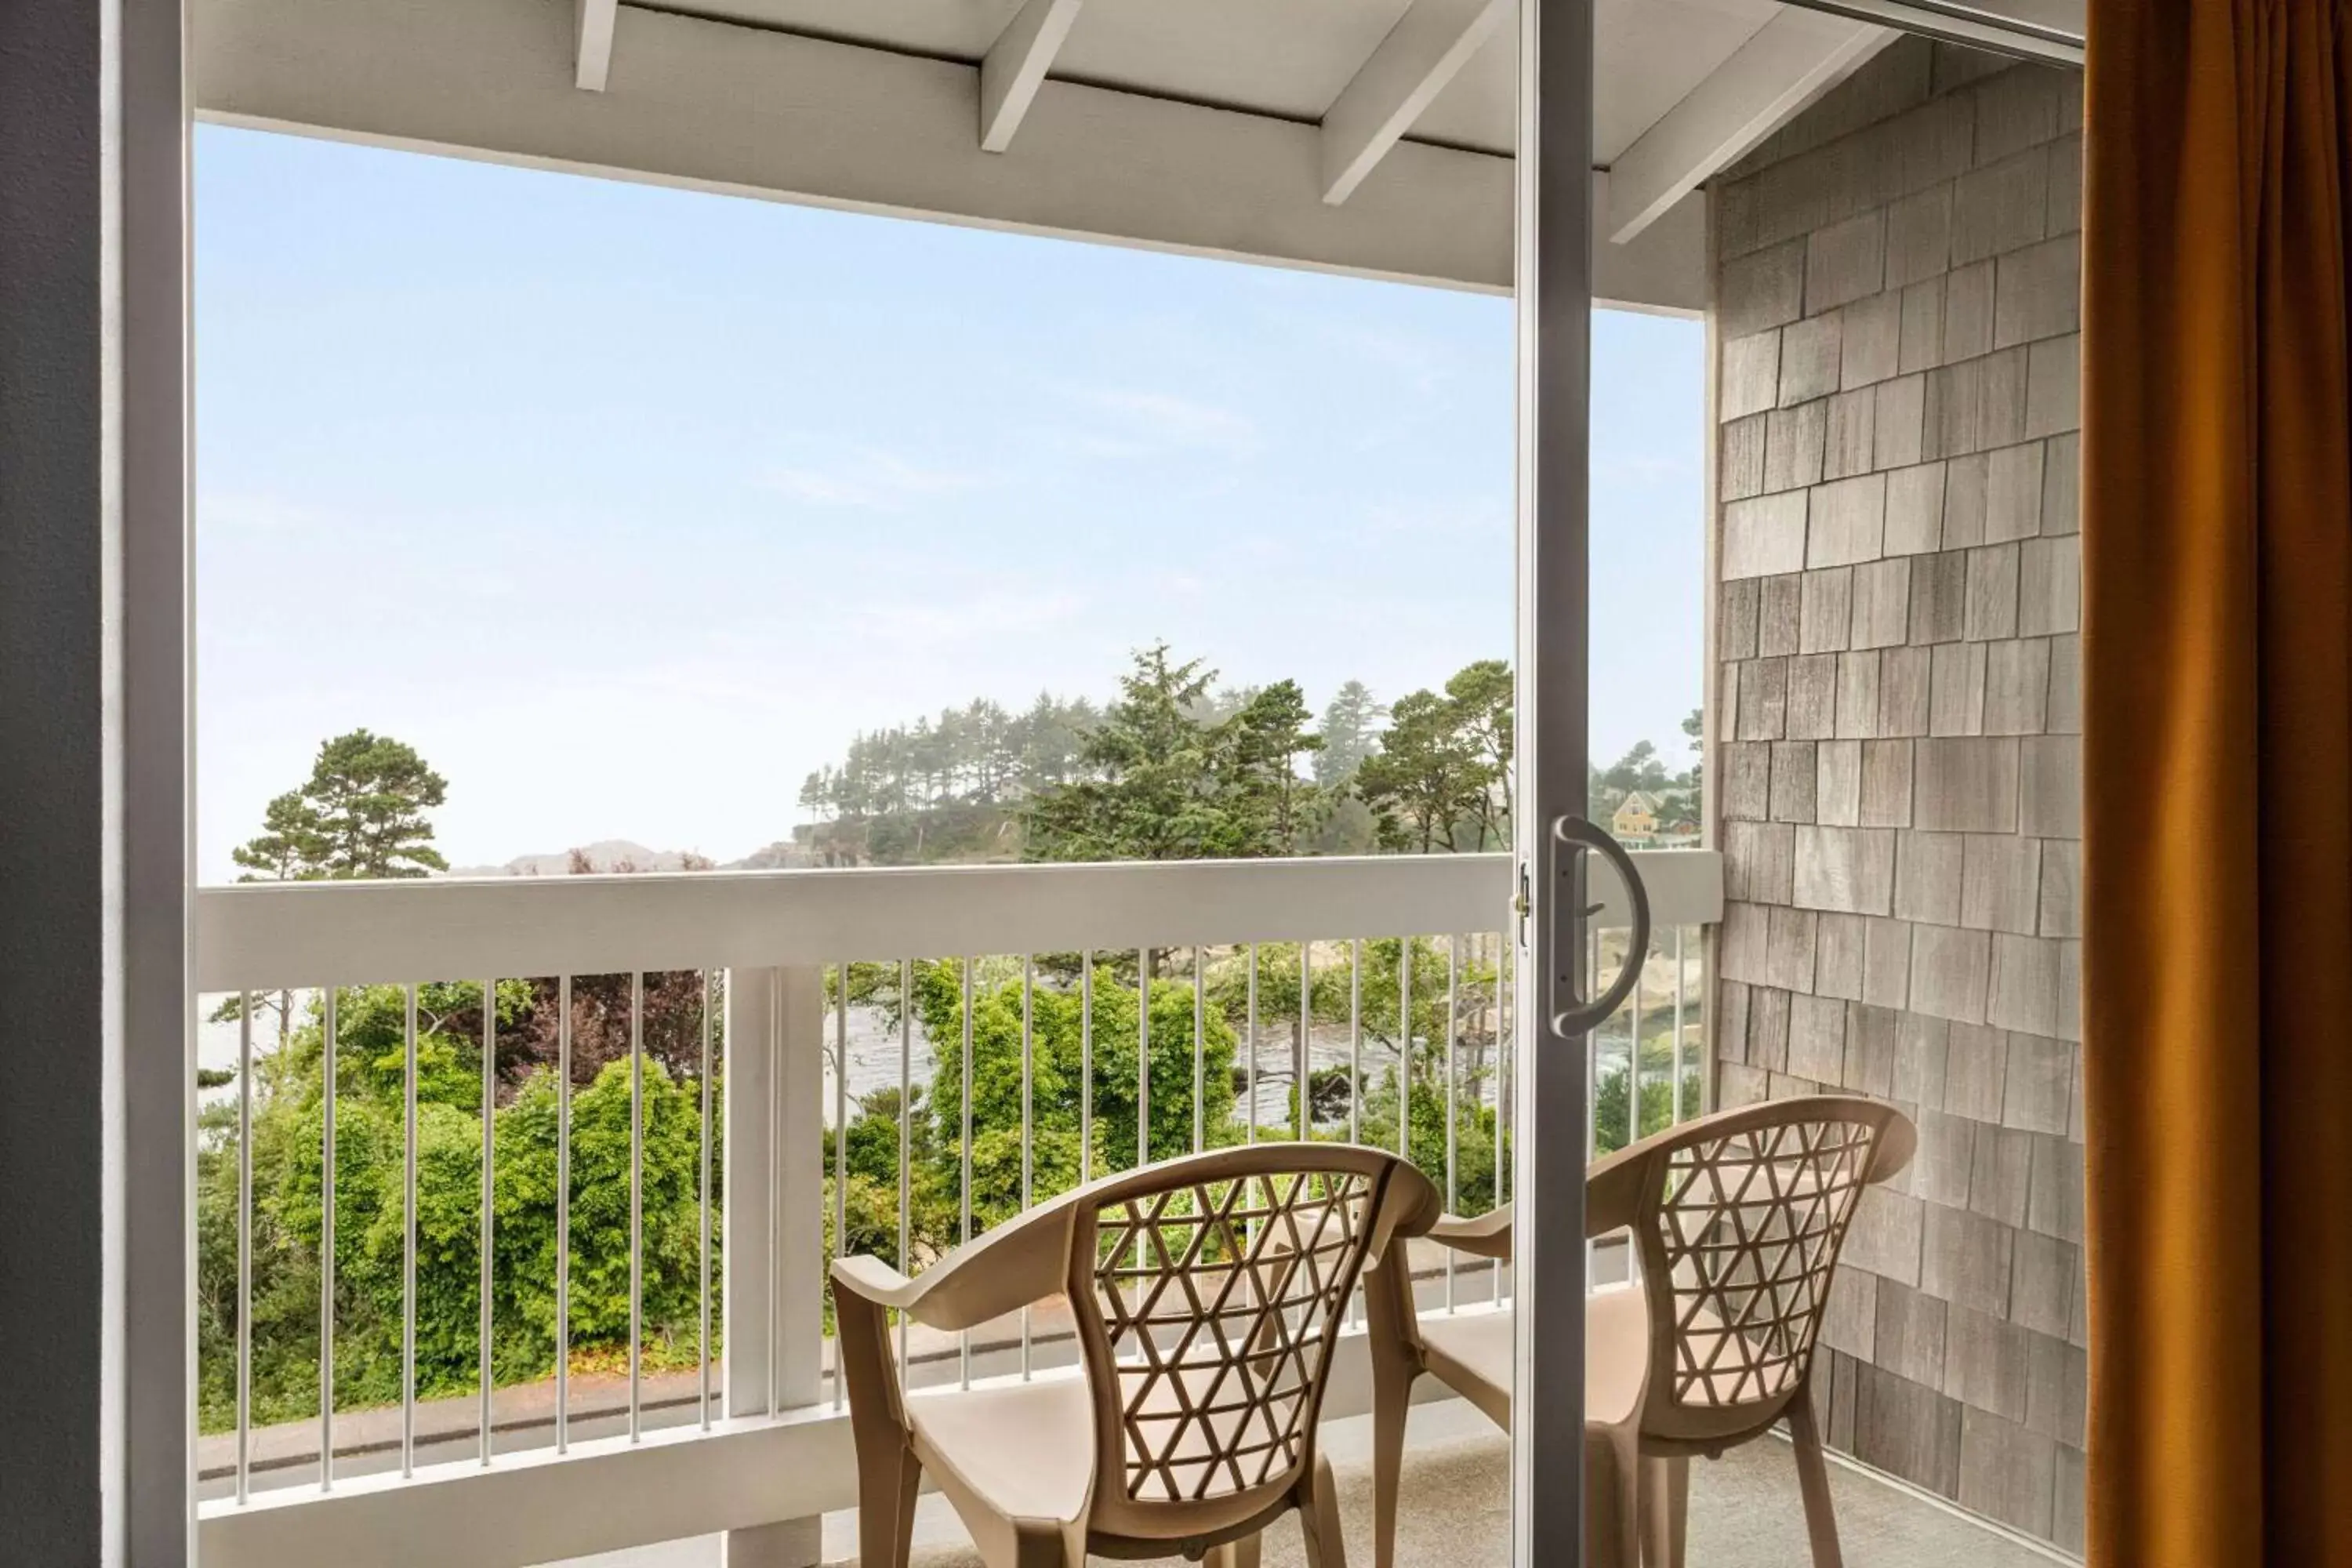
(594, 58)
(1789, 62)
(1015, 66)
(1422, 54)
(749, 112)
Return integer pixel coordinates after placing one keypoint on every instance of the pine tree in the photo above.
(361, 813)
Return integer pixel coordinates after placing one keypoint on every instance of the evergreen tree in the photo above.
(1275, 807)
(1350, 722)
(1423, 782)
(285, 850)
(361, 813)
(1153, 797)
(1176, 774)
(1483, 695)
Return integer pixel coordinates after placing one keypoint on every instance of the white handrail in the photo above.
(268, 935)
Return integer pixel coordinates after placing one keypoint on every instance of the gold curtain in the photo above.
(2218, 783)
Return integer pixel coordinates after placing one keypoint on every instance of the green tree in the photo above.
(1174, 773)
(370, 1092)
(1057, 1110)
(360, 814)
(1483, 697)
(1152, 798)
(1441, 777)
(1351, 721)
(288, 847)
(1422, 783)
(371, 794)
(1274, 806)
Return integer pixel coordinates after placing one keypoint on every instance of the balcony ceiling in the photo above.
(1369, 136)
(1292, 59)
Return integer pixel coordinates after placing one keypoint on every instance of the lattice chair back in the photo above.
(1208, 1293)
(1739, 1221)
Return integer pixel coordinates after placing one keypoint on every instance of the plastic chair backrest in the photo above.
(1739, 1218)
(1208, 1292)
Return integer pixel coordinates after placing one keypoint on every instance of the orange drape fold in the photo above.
(2217, 782)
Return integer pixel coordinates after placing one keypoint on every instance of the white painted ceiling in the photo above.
(1267, 129)
(1291, 59)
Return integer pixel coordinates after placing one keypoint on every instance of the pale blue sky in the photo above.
(628, 506)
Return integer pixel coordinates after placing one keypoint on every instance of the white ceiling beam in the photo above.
(1789, 62)
(1422, 53)
(748, 112)
(593, 58)
(1015, 66)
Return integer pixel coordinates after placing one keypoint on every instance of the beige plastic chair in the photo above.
(1206, 1293)
(1737, 1220)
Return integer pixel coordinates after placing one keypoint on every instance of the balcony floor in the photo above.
(1744, 1512)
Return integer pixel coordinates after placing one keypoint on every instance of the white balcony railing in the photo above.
(784, 1000)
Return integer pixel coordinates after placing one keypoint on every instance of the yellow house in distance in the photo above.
(1636, 816)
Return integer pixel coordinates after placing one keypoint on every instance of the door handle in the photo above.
(1572, 836)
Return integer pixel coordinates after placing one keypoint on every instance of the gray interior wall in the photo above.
(53, 936)
(1897, 278)
(95, 1129)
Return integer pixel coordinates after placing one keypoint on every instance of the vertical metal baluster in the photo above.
(563, 1215)
(1028, 1116)
(408, 1238)
(1200, 1061)
(1355, 1077)
(1304, 1068)
(1405, 1049)
(1506, 1040)
(840, 1141)
(963, 1341)
(489, 1205)
(1634, 1049)
(905, 1130)
(1453, 1117)
(702, 1198)
(1142, 1057)
(1085, 1066)
(1356, 1042)
(1592, 1083)
(1249, 1100)
(1142, 1073)
(1593, 1051)
(776, 1261)
(636, 1199)
(244, 1243)
(1503, 958)
(326, 1252)
(1678, 1026)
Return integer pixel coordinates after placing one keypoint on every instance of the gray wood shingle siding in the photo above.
(1898, 723)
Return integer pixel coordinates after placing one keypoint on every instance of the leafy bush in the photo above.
(370, 1218)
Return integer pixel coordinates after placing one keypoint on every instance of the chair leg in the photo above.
(887, 1472)
(1392, 1374)
(886, 1508)
(1613, 1498)
(1814, 1481)
(1036, 1545)
(1665, 1512)
(1241, 1554)
(1318, 1519)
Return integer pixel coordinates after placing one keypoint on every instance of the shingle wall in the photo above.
(1898, 724)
